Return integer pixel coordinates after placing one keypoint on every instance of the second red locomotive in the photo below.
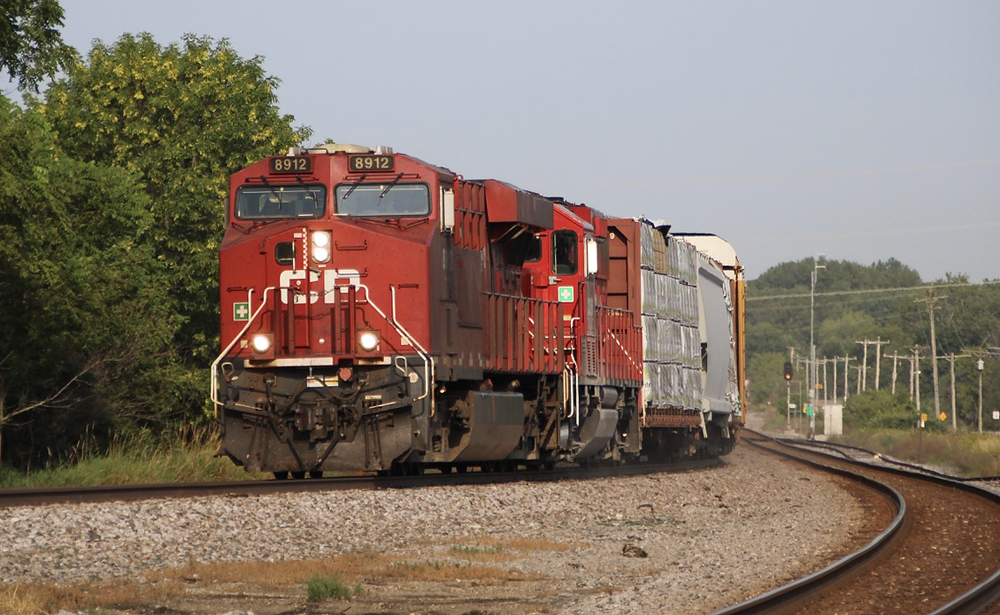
(382, 313)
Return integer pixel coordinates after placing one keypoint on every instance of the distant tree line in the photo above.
(883, 301)
(113, 185)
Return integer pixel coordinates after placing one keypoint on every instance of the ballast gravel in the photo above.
(689, 542)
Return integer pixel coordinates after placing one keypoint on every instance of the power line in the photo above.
(872, 290)
(783, 177)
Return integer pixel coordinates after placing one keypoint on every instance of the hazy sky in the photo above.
(864, 130)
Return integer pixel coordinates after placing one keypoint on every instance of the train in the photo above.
(383, 314)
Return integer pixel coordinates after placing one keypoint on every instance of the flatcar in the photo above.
(379, 313)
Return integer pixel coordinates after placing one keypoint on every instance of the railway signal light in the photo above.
(788, 370)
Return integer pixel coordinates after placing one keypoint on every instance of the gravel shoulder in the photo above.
(672, 543)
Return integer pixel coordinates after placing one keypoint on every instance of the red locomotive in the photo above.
(382, 313)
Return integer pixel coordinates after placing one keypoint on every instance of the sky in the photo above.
(859, 130)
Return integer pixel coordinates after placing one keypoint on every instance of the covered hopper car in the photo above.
(379, 313)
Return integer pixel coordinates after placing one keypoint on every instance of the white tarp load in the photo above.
(671, 339)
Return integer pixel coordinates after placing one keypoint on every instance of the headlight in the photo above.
(368, 340)
(321, 246)
(261, 342)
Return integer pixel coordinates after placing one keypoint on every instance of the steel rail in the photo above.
(840, 447)
(125, 493)
(983, 594)
(969, 603)
(805, 586)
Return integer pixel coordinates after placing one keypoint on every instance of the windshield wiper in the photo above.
(271, 188)
(389, 187)
(353, 187)
(311, 191)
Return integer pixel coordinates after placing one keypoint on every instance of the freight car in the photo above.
(380, 313)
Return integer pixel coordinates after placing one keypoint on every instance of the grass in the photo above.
(967, 454)
(188, 455)
(342, 577)
(477, 552)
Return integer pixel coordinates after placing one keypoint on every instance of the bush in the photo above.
(881, 410)
(323, 587)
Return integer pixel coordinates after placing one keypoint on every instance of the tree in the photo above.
(765, 371)
(31, 47)
(850, 308)
(181, 118)
(82, 296)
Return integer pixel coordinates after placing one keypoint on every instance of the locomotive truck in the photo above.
(379, 313)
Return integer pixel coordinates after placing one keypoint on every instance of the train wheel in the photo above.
(280, 475)
(298, 475)
(315, 473)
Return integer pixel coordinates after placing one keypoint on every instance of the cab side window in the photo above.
(564, 253)
(534, 253)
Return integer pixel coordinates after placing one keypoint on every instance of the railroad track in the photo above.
(939, 554)
(122, 493)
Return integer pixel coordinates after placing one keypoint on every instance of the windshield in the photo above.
(382, 200)
(280, 201)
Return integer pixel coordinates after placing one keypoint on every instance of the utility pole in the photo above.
(847, 362)
(931, 300)
(835, 361)
(895, 360)
(812, 346)
(954, 413)
(824, 382)
(863, 382)
(878, 362)
(979, 366)
(788, 392)
(915, 376)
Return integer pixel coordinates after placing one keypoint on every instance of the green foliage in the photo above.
(139, 457)
(325, 587)
(112, 200)
(850, 307)
(31, 47)
(489, 549)
(836, 275)
(769, 337)
(765, 372)
(182, 118)
(84, 302)
(880, 410)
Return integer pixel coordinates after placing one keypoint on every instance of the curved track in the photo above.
(940, 554)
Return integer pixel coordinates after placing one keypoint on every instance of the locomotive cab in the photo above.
(570, 264)
(324, 270)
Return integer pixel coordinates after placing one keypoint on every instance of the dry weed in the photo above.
(33, 599)
(158, 587)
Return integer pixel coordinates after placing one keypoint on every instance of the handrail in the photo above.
(428, 361)
(225, 351)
